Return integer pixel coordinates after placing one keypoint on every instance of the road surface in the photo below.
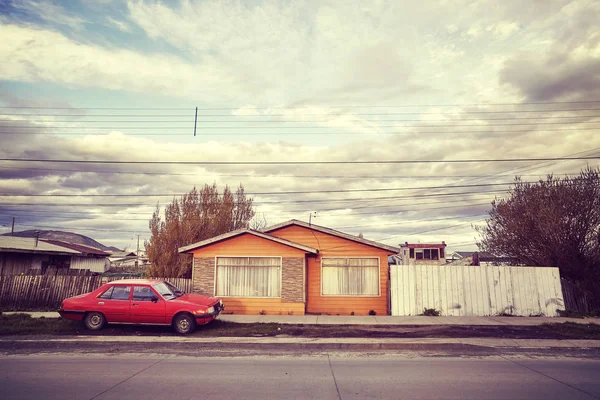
(304, 377)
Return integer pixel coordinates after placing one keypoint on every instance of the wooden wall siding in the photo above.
(475, 290)
(16, 263)
(333, 246)
(292, 287)
(247, 245)
(249, 306)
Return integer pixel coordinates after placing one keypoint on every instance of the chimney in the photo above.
(37, 238)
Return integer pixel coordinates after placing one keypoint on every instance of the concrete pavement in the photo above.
(329, 376)
(377, 320)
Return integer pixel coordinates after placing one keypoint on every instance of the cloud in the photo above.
(565, 66)
(50, 12)
(120, 25)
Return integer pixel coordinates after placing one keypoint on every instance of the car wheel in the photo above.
(94, 321)
(184, 324)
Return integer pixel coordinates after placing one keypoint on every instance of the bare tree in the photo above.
(554, 222)
(193, 217)
(259, 223)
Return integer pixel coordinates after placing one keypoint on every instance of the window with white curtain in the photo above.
(249, 276)
(350, 276)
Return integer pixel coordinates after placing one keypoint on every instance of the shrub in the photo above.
(431, 312)
(372, 312)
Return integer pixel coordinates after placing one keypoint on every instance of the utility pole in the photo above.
(137, 253)
(12, 231)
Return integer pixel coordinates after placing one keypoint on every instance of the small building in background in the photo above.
(20, 255)
(423, 253)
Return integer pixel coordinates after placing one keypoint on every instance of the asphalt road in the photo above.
(310, 377)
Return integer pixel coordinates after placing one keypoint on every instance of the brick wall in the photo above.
(292, 280)
(204, 276)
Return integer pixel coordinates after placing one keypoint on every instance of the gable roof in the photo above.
(424, 245)
(238, 232)
(85, 250)
(333, 232)
(15, 244)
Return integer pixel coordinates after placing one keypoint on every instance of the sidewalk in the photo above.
(376, 320)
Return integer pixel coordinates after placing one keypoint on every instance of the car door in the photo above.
(147, 307)
(115, 303)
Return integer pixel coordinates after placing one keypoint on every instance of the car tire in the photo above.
(184, 324)
(94, 321)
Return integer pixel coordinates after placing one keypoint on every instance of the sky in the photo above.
(368, 85)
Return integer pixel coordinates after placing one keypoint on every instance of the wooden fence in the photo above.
(36, 292)
(577, 300)
(460, 290)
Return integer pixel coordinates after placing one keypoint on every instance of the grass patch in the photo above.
(23, 324)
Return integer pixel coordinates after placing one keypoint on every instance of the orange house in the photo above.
(293, 268)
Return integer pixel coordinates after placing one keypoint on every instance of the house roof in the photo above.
(86, 250)
(333, 232)
(28, 245)
(464, 254)
(424, 245)
(238, 232)
(122, 254)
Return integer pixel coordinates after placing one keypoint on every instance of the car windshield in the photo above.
(168, 291)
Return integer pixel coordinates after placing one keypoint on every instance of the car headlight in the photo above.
(221, 303)
(200, 312)
(210, 310)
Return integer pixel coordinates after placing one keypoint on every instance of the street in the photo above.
(334, 376)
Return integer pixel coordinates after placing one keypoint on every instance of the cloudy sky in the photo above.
(302, 81)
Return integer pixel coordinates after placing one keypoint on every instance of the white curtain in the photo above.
(350, 276)
(249, 276)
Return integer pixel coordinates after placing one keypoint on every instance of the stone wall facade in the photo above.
(204, 276)
(292, 280)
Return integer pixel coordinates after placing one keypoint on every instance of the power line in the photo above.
(345, 133)
(296, 107)
(357, 123)
(456, 161)
(340, 113)
(232, 120)
(263, 193)
(277, 175)
(328, 200)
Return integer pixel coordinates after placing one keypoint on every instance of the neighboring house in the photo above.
(479, 258)
(459, 255)
(423, 253)
(90, 258)
(293, 268)
(19, 255)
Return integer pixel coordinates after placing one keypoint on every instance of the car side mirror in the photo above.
(154, 299)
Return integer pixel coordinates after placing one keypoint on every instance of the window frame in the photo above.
(159, 297)
(112, 287)
(353, 295)
(216, 268)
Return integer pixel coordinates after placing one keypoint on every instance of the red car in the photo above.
(141, 301)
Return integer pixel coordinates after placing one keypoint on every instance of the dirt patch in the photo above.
(22, 324)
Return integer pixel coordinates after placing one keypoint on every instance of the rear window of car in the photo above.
(116, 293)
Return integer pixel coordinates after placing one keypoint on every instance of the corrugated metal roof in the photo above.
(77, 247)
(28, 245)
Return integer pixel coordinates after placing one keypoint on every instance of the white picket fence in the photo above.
(459, 290)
